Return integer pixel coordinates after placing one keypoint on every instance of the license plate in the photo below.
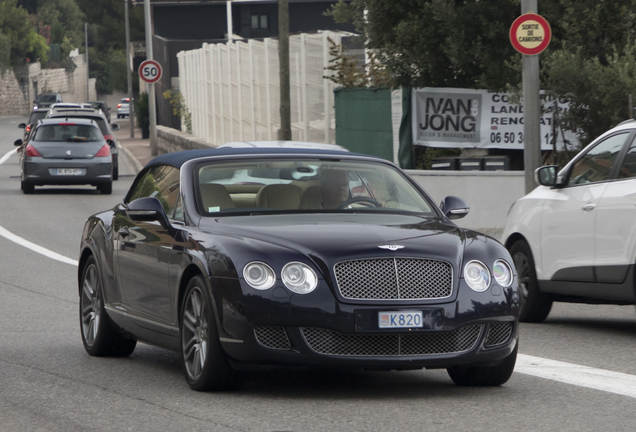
(403, 319)
(69, 171)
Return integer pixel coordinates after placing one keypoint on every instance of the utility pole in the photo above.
(152, 106)
(283, 59)
(88, 93)
(131, 105)
(531, 109)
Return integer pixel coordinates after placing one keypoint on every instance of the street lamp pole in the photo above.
(152, 107)
(88, 93)
(131, 105)
(283, 62)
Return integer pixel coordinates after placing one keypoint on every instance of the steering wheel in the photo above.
(362, 200)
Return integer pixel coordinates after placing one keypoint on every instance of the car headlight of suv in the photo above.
(259, 275)
(299, 278)
(477, 276)
(502, 272)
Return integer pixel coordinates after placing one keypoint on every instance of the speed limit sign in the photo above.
(150, 71)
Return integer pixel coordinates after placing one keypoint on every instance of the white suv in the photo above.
(574, 237)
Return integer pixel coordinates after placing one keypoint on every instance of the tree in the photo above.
(64, 18)
(24, 41)
(439, 43)
(107, 37)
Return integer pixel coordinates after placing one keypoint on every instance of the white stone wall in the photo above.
(12, 99)
(18, 92)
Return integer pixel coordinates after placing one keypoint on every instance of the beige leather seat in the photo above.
(215, 195)
(279, 196)
(311, 198)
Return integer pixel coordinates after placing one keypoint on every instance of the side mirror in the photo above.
(147, 209)
(546, 175)
(110, 143)
(18, 142)
(454, 208)
(114, 126)
(22, 125)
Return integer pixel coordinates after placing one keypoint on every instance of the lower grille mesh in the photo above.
(498, 333)
(329, 342)
(272, 337)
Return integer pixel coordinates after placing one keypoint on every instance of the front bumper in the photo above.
(279, 327)
(41, 171)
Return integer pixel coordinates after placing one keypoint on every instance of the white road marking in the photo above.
(583, 376)
(27, 244)
(35, 248)
(7, 156)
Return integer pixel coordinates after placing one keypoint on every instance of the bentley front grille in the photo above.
(498, 333)
(328, 342)
(394, 279)
(273, 337)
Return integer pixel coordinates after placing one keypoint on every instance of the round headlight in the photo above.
(259, 275)
(502, 272)
(477, 276)
(299, 278)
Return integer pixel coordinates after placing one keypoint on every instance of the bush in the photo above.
(142, 111)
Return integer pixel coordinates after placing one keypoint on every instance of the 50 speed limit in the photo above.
(150, 71)
(506, 137)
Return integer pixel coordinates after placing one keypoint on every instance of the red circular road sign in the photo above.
(150, 71)
(530, 34)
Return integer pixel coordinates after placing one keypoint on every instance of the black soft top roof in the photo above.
(177, 159)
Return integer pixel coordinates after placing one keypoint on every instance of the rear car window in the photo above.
(68, 132)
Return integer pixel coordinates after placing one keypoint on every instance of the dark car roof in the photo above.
(177, 159)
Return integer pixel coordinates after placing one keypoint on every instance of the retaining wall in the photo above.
(490, 194)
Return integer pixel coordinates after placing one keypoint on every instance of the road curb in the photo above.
(131, 157)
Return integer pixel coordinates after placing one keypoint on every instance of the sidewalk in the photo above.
(136, 149)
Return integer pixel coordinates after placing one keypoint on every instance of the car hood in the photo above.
(334, 237)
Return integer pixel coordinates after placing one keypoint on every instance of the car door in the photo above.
(144, 248)
(615, 225)
(569, 213)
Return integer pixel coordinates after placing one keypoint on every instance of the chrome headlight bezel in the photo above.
(479, 282)
(503, 279)
(299, 278)
(265, 281)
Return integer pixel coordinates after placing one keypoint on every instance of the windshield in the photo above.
(68, 132)
(305, 185)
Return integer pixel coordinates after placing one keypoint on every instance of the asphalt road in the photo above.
(48, 382)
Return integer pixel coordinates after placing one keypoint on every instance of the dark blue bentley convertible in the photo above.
(241, 257)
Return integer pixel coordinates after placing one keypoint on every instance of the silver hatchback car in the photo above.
(66, 152)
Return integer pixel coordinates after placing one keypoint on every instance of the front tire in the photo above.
(99, 336)
(205, 363)
(480, 376)
(535, 305)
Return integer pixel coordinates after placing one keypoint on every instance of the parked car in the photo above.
(44, 100)
(66, 152)
(123, 108)
(36, 114)
(99, 117)
(573, 238)
(102, 106)
(334, 259)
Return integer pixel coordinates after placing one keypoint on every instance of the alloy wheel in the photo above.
(91, 305)
(195, 333)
